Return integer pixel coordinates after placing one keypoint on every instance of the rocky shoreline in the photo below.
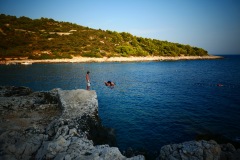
(106, 59)
(58, 124)
(64, 124)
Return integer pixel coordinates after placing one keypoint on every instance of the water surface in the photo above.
(153, 103)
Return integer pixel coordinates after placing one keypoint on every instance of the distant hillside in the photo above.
(49, 39)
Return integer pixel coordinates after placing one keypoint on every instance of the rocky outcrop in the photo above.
(59, 124)
(199, 150)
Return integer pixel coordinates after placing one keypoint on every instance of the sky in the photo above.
(213, 25)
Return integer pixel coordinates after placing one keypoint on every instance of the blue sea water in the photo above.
(153, 103)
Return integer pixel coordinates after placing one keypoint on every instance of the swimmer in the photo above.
(109, 83)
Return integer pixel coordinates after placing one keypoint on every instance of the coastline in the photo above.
(106, 59)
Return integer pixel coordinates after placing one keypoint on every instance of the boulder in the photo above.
(191, 150)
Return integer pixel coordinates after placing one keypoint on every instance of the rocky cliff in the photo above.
(59, 124)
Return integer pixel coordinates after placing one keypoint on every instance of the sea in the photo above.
(153, 103)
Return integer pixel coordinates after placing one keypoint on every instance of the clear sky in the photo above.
(210, 24)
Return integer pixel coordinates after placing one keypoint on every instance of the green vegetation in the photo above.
(49, 39)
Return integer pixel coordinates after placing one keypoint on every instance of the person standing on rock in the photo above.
(88, 80)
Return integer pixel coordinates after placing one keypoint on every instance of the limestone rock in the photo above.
(59, 124)
(194, 150)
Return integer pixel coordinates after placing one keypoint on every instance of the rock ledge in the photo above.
(63, 135)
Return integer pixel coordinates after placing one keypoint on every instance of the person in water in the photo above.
(109, 83)
(88, 80)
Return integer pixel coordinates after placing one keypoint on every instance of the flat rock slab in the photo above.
(76, 103)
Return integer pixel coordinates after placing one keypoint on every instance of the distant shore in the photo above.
(106, 59)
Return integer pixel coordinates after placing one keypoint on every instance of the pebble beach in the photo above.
(106, 59)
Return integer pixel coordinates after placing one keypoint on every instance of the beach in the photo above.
(106, 59)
